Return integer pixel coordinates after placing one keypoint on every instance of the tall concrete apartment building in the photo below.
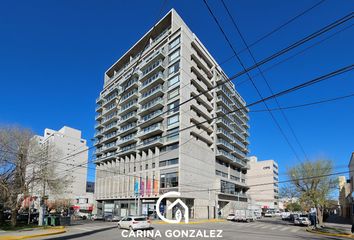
(141, 152)
(69, 150)
(265, 171)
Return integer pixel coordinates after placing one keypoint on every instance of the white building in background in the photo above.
(140, 152)
(69, 150)
(260, 172)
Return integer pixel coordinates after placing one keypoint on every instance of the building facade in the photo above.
(66, 149)
(143, 148)
(260, 172)
(343, 196)
(350, 200)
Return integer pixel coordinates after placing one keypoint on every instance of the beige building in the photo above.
(351, 186)
(140, 151)
(69, 150)
(265, 171)
(344, 194)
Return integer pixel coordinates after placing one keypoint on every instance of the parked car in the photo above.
(302, 221)
(135, 223)
(285, 216)
(245, 216)
(231, 217)
(96, 217)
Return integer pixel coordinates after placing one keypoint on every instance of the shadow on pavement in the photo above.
(84, 234)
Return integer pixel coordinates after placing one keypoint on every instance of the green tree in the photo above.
(314, 183)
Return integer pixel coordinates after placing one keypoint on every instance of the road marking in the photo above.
(284, 228)
(264, 227)
(294, 230)
(82, 229)
(273, 228)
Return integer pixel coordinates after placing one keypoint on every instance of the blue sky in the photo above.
(53, 55)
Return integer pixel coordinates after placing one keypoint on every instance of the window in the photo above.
(173, 107)
(153, 165)
(168, 162)
(172, 134)
(169, 180)
(174, 42)
(174, 93)
(228, 187)
(173, 81)
(173, 55)
(265, 168)
(220, 173)
(146, 166)
(169, 147)
(173, 69)
(172, 120)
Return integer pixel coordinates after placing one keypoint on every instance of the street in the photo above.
(268, 228)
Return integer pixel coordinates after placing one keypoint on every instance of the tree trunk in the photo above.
(1, 214)
(319, 211)
(14, 217)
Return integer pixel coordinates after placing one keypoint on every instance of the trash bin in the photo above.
(65, 221)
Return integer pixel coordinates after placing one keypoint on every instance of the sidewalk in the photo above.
(31, 233)
(335, 226)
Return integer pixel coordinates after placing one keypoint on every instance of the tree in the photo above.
(314, 183)
(294, 207)
(24, 164)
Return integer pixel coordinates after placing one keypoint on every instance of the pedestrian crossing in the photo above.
(89, 228)
(272, 227)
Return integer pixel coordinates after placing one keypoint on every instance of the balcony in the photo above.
(157, 78)
(220, 111)
(222, 154)
(154, 92)
(150, 131)
(109, 136)
(110, 99)
(98, 124)
(238, 153)
(111, 126)
(99, 100)
(98, 133)
(109, 118)
(224, 144)
(127, 128)
(223, 101)
(98, 108)
(151, 118)
(132, 116)
(133, 94)
(98, 116)
(149, 70)
(224, 123)
(222, 132)
(109, 147)
(128, 139)
(151, 106)
(151, 142)
(105, 157)
(130, 106)
(133, 83)
(158, 54)
(127, 150)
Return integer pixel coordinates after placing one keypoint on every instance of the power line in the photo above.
(267, 83)
(292, 19)
(306, 104)
(281, 93)
(265, 60)
(296, 54)
(277, 124)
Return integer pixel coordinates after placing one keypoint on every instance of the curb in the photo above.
(9, 237)
(195, 222)
(351, 236)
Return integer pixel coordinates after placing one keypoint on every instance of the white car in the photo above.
(302, 221)
(135, 223)
(231, 217)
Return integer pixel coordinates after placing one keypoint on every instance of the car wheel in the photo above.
(119, 227)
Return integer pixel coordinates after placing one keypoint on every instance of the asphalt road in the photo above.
(274, 229)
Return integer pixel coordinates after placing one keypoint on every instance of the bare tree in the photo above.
(26, 164)
(314, 183)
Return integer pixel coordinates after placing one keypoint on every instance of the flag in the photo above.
(136, 186)
(148, 186)
(141, 187)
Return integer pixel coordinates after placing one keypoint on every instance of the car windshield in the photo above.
(140, 219)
